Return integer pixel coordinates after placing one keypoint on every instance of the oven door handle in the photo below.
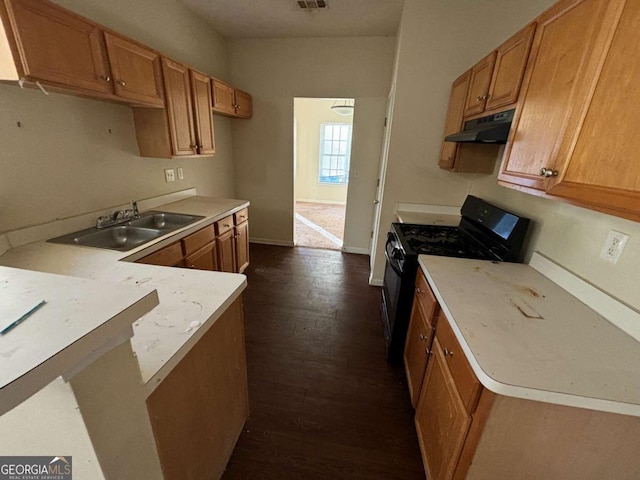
(392, 264)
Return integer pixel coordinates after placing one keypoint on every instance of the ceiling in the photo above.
(234, 19)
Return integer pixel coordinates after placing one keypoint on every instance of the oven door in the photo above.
(391, 285)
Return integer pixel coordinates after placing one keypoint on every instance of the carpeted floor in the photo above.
(319, 225)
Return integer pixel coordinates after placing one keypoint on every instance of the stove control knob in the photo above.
(396, 253)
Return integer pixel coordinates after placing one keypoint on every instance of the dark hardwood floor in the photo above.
(324, 403)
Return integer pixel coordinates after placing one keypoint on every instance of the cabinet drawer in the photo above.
(170, 256)
(241, 216)
(224, 225)
(198, 240)
(425, 298)
(466, 382)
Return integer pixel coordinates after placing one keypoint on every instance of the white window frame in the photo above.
(334, 157)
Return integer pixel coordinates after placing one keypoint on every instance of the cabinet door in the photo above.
(243, 104)
(169, 256)
(204, 259)
(242, 246)
(441, 420)
(416, 351)
(179, 111)
(223, 97)
(57, 47)
(557, 79)
(479, 86)
(135, 71)
(511, 61)
(201, 91)
(225, 244)
(454, 120)
(597, 163)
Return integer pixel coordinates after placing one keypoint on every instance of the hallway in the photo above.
(324, 403)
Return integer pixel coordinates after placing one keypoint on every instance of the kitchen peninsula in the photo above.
(185, 362)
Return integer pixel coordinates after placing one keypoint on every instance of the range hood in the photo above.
(490, 129)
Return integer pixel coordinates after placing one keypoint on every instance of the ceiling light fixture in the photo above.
(343, 107)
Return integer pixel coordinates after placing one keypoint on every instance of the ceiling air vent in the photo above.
(309, 5)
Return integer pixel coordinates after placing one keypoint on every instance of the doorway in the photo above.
(322, 153)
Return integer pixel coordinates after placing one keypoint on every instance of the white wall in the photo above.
(438, 40)
(74, 155)
(310, 113)
(277, 70)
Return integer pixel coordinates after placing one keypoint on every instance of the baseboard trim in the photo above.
(268, 241)
(326, 202)
(357, 250)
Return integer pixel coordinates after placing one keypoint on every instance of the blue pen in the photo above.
(23, 317)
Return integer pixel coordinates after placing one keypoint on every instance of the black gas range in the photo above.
(485, 232)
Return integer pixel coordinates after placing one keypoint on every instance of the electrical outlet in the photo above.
(169, 175)
(614, 246)
(180, 173)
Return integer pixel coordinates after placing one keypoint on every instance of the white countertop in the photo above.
(528, 338)
(187, 297)
(79, 318)
(425, 214)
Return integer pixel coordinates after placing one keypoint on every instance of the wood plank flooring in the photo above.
(324, 403)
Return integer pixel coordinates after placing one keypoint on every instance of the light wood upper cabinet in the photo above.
(185, 127)
(179, 107)
(479, 85)
(509, 68)
(203, 116)
(230, 101)
(54, 46)
(73, 55)
(496, 79)
(135, 71)
(223, 98)
(579, 142)
(454, 120)
(244, 104)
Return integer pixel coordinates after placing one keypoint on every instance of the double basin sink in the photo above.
(130, 234)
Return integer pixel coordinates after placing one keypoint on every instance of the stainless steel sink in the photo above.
(132, 234)
(163, 220)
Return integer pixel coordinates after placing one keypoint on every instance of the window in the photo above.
(335, 151)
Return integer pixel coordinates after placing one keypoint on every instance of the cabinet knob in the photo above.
(422, 337)
(547, 172)
(121, 82)
(106, 78)
(427, 351)
(419, 290)
(480, 98)
(447, 352)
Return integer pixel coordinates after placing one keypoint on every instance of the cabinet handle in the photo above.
(547, 172)
(121, 82)
(106, 78)
(487, 96)
(448, 352)
(480, 98)
(419, 291)
(428, 351)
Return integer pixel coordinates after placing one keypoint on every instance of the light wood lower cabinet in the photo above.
(419, 336)
(222, 246)
(225, 243)
(465, 431)
(198, 411)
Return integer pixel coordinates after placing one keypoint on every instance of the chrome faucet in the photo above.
(118, 216)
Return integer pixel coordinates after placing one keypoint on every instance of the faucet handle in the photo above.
(103, 221)
(134, 209)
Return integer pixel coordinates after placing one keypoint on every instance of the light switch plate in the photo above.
(180, 173)
(614, 246)
(169, 175)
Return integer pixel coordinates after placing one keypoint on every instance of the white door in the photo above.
(386, 134)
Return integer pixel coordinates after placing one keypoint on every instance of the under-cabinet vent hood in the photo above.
(490, 129)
